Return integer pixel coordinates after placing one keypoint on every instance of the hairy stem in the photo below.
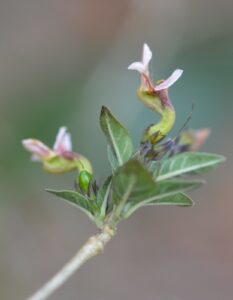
(91, 248)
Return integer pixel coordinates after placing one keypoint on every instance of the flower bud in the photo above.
(84, 181)
(194, 139)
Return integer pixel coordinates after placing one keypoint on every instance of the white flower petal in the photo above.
(63, 141)
(169, 81)
(67, 142)
(59, 137)
(143, 66)
(37, 148)
(146, 56)
(137, 66)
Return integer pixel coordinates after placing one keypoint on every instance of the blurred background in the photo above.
(59, 62)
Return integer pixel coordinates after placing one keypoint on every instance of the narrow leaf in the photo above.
(117, 136)
(162, 190)
(76, 199)
(179, 199)
(187, 163)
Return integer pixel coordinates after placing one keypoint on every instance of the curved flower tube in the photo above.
(155, 97)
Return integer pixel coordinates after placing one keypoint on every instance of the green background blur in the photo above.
(59, 62)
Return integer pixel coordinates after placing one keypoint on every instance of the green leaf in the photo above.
(187, 163)
(102, 196)
(117, 136)
(112, 159)
(163, 189)
(132, 179)
(78, 200)
(179, 199)
(134, 187)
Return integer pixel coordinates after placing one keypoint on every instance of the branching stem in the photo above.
(91, 248)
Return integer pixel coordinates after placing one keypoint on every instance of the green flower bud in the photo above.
(84, 179)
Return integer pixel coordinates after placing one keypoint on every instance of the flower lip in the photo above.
(143, 66)
(169, 81)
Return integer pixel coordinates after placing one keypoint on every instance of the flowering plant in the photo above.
(159, 172)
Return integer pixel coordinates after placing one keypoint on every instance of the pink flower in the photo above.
(143, 68)
(62, 147)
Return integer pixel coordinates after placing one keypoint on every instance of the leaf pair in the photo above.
(134, 187)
